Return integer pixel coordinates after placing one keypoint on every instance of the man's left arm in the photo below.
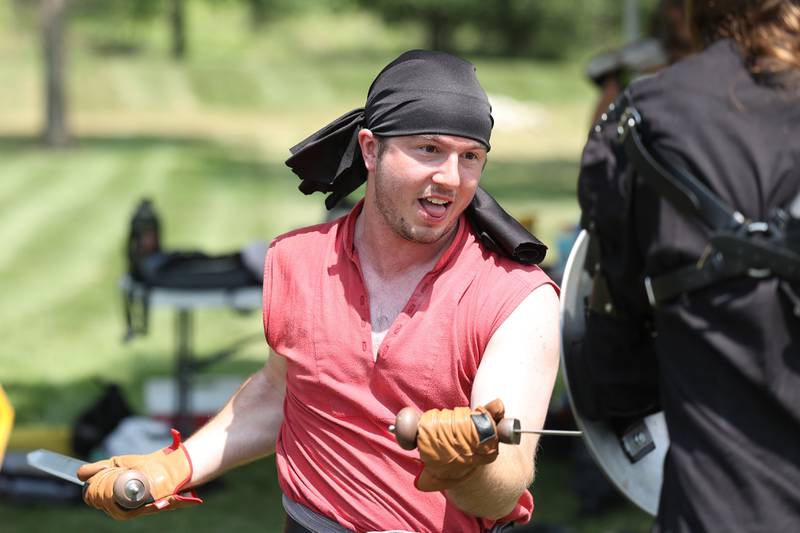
(519, 366)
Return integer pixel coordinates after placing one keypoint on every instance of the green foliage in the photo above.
(531, 28)
(112, 10)
(439, 18)
(543, 29)
(115, 26)
(513, 28)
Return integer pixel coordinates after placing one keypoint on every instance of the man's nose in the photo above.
(447, 173)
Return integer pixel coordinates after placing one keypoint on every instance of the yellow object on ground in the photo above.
(6, 422)
(32, 437)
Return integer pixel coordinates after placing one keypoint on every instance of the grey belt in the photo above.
(311, 520)
(321, 524)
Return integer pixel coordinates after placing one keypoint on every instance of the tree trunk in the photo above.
(258, 14)
(177, 18)
(439, 33)
(515, 39)
(55, 133)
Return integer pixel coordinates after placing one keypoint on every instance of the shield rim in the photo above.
(600, 440)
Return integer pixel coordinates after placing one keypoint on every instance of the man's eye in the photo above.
(471, 155)
(429, 148)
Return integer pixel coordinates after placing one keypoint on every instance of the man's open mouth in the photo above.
(434, 207)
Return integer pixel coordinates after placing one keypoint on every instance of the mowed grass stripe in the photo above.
(208, 204)
(82, 257)
(75, 178)
(86, 316)
(20, 175)
(243, 213)
(90, 343)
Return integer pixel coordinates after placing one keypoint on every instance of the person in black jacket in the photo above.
(724, 356)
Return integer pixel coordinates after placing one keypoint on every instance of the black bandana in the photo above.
(420, 92)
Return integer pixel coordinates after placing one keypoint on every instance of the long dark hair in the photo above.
(767, 31)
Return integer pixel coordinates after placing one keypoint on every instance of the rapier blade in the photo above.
(557, 432)
(57, 465)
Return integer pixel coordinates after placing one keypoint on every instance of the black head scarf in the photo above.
(420, 92)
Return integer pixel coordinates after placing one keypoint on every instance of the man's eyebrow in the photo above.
(438, 138)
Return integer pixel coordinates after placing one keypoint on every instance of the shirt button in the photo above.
(363, 346)
(363, 300)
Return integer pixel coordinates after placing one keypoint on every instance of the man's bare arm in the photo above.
(246, 428)
(519, 366)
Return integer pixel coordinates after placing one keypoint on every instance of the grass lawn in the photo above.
(206, 140)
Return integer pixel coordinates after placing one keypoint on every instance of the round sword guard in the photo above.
(131, 490)
(405, 427)
(508, 431)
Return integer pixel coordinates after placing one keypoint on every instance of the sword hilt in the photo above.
(132, 490)
(407, 420)
(508, 429)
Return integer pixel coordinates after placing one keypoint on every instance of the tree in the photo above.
(258, 13)
(177, 18)
(52, 23)
(441, 18)
(533, 28)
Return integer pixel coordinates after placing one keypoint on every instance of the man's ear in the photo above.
(369, 148)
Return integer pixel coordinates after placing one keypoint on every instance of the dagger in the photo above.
(131, 489)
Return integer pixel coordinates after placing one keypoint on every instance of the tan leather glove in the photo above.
(168, 470)
(452, 443)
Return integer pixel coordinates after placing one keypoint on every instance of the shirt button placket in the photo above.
(363, 312)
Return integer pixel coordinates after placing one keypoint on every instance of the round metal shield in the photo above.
(639, 480)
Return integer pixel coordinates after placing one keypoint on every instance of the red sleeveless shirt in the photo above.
(334, 452)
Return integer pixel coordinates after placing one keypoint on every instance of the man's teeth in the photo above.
(437, 201)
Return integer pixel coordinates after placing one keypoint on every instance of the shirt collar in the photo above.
(347, 230)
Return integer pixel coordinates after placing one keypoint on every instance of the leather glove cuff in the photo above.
(167, 472)
(452, 443)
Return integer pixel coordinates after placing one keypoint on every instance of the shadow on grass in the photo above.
(110, 142)
(240, 166)
(62, 403)
(506, 179)
(546, 179)
(206, 158)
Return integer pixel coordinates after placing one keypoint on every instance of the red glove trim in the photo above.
(177, 444)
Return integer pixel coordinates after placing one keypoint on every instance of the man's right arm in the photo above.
(245, 429)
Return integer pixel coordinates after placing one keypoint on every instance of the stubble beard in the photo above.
(395, 220)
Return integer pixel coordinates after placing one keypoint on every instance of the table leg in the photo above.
(183, 372)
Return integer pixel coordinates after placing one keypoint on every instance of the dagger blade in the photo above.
(55, 464)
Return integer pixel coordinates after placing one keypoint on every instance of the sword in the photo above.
(131, 489)
(508, 429)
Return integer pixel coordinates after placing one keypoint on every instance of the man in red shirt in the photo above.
(422, 296)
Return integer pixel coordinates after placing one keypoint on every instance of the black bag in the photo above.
(144, 238)
(150, 266)
(99, 420)
(196, 270)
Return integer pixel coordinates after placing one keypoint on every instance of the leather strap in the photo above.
(737, 246)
